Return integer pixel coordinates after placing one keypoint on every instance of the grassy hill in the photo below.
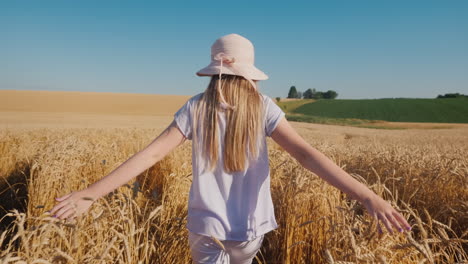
(400, 113)
(453, 110)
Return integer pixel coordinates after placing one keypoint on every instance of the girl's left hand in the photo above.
(71, 205)
(383, 211)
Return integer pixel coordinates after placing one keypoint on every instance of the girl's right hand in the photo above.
(71, 205)
(384, 212)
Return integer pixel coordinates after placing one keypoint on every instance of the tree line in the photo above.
(452, 95)
(311, 94)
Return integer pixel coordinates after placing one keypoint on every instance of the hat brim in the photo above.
(251, 71)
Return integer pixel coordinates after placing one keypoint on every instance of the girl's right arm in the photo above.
(75, 203)
(319, 164)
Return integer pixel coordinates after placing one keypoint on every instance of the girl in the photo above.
(230, 207)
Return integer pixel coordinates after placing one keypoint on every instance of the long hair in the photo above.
(244, 123)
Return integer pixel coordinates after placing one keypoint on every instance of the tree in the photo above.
(292, 92)
(317, 94)
(452, 95)
(330, 94)
(308, 94)
(312, 94)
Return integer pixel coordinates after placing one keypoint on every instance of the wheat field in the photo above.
(48, 153)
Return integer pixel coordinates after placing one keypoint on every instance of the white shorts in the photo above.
(206, 250)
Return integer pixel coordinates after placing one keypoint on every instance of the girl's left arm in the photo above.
(318, 163)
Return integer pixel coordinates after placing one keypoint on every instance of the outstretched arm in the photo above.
(75, 203)
(318, 163)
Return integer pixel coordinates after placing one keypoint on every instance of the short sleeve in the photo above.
(274, 114)
(183, 119)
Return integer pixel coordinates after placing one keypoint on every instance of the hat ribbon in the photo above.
(230, 61)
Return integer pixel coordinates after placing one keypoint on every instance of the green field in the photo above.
(450, 110)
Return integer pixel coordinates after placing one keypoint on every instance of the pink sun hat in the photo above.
(233, 54)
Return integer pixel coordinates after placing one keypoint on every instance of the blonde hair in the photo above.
(244, 123)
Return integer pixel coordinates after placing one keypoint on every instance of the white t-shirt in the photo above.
(230, 206)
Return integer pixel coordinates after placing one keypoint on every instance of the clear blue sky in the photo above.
(361, 49)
